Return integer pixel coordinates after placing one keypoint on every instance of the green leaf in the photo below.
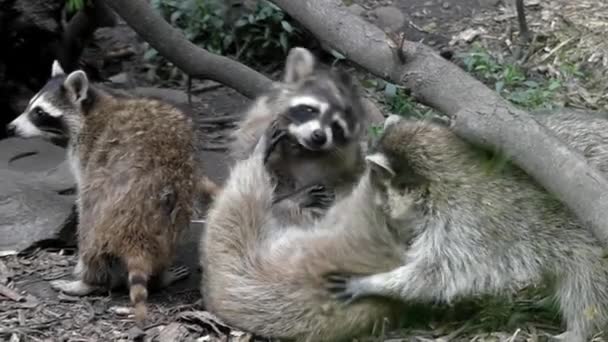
(499, 86)
(287, 26)
(150, 54)
(240, 23)
(228, 40)
(337, 54)
(554, 84)
(390, 90)
(175, 16)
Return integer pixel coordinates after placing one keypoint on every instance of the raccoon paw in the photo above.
(73, 287)
(275, 135)
(343, 287)
(318, 196)
(174, 274)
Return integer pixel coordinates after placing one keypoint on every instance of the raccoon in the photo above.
(133, 161)
(318, 123)
(478, 231)
(266, 276)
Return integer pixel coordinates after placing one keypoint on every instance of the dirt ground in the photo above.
(31, 311)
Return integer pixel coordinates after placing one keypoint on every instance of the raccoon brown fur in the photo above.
(133, 160)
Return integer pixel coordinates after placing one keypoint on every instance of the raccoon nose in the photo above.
(10, 130)
(318, 137)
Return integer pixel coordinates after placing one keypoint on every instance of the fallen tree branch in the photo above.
(194, 61)
(478, 114)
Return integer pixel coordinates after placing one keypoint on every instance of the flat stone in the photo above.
(31, 206)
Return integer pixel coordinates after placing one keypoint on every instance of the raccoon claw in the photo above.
(318, 196)
(341, 288)
(174, 274)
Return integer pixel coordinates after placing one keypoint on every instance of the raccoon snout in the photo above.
(318, 137)
(11, 130)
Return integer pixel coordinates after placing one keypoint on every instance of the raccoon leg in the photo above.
(414, 281)
(90, 278)
(583, 298)
(74, 287)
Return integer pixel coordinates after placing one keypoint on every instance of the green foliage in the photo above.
(75, 5)
(510, 80)
(375, 130)
(256, 37)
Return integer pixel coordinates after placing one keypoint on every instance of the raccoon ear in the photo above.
(77, 85)
(379, 163)
(57, 70)
(299, 64)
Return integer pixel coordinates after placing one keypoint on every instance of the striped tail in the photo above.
(138, 291)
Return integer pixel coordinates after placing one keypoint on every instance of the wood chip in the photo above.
(173, 332)
(11, 294)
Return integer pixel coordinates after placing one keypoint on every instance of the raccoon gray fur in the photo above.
(476, 231)
(323, 123)
(267, 277)
(133, 160)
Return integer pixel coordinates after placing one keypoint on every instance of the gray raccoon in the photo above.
(267, 277)
(133, 160)
(478, 232)
(322, 124)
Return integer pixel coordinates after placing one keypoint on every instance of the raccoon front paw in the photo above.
(72, 287)
(174, 274)
(318, 196)
(343, 287)
(275, 134)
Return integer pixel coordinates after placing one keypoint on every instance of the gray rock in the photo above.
(388, 18)
(356, 9)
(32, 209)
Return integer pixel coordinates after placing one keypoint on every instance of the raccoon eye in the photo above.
(303, 112)
(308, 109)
(39, 112)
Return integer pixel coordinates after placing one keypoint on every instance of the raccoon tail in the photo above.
(138, 287)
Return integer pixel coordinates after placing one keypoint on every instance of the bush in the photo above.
(261, 36)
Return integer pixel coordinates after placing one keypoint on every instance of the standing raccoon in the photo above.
(267, 276)
(317, 121)
(133, 160)
(478, 231)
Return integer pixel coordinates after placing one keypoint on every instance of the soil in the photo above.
(32, 311)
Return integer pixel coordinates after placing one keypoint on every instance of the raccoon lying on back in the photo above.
(477, 231)
(133, 160)
(318, 123)
(267, 277)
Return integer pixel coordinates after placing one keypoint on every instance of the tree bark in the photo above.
(478, 114)
(194, 61)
